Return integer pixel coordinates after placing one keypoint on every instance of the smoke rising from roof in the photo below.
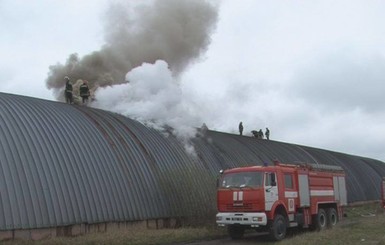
(153, 97)
(175, 31)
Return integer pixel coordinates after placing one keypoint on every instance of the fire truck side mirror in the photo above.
(219, 177)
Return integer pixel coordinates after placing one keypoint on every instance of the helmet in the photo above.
(66, 78)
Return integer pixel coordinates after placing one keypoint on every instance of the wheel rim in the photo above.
(322, 220)
(280, 228)
(333, 218)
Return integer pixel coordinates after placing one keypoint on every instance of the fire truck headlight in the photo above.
(219, 218)
(257, 219)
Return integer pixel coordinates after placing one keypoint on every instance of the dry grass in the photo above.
(364, 225)
(132, 237)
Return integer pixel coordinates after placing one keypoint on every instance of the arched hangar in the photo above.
(63, 165)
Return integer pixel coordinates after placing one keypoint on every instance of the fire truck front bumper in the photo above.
(252, 219)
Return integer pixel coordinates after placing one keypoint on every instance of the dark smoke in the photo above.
(177, 31)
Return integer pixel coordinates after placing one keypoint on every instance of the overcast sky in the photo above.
(311, 71)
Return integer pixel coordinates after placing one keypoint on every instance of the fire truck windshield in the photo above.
(242, 180)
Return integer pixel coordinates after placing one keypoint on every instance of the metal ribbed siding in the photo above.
(176, 169)
(130, 166)
(63, 164)
(53, 176)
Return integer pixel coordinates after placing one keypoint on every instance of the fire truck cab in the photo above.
(274, 198)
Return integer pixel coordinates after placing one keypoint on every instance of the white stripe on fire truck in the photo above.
(321, 193)
(291, 194)
(240, 196)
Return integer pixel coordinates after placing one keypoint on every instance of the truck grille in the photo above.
(238, 207)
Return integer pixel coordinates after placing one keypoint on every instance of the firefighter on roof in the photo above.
(68, 90)
(260, 134)
(84, 91)
(240, 128)
(267, 133)
(255, 133)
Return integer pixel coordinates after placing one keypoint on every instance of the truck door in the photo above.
(271, 190)
(340, 193)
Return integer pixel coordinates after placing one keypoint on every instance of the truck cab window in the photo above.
(251, 179)
(270, 179)
(289, 181)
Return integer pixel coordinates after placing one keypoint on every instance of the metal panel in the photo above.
(336, 187)
(340, 193)
(304, 191)
(342, 190)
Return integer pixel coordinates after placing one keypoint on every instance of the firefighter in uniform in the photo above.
(267, 133)
(260, 134)
(68, 90)
(84, 91)
(240, 128)
(255, 133)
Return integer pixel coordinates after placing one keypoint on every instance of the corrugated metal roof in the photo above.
(64, 164)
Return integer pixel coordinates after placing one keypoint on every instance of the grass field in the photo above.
(132, 237)
(363, 225)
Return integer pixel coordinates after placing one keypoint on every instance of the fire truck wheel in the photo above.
(332, 217)
(321, 220)
(235, 231)
(278, 227)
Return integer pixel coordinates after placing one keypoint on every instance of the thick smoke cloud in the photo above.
(154, 98)
(175, 31)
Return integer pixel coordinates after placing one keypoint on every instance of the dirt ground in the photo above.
(253, 238)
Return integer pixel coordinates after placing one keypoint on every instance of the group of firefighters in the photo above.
(257, 134)
(84, 91)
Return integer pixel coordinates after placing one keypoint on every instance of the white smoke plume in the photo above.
(153, 97)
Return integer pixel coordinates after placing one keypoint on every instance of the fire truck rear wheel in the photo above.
(332, 217)
(235, 231)
(321, 220)
(278, 228)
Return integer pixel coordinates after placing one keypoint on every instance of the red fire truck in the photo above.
(274, 198)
